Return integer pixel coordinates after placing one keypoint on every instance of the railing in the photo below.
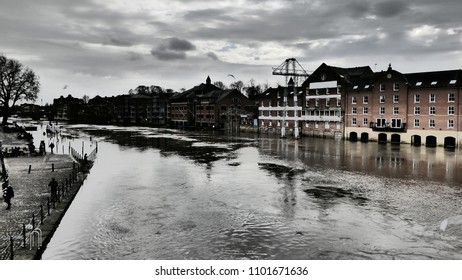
(29, 234)
(388, 128)
(24, 235)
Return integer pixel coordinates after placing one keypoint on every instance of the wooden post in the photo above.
(30, 167)
(11, 248)
(24, 235)
(52, 167)
(41, 214)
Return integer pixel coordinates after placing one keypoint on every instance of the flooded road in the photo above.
(166, 194)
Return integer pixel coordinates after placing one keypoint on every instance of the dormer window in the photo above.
(395, 86)
(452, 82)
(434, 83)
(418, 84)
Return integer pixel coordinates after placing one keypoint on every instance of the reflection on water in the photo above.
(165, 194)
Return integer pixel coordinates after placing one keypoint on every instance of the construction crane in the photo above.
(291, 68)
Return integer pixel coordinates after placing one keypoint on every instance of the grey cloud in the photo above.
(167, 55)
(390, 8)
(212, 55)
(176, 44)
(172, 49)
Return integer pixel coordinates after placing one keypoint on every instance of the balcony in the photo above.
(388, 127)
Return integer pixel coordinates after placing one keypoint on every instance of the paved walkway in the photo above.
(29, 176)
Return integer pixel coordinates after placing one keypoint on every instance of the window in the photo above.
(417, 110)
(416, 98)
(418, 84)
(353, 100)
(327, 102)
(451, 97)
(450, 123)
(353, 121)
(365, 110)
(316, 103)
(326, 125)
(396, 123)
(432, 98)
(416, 123)
(316, 125)
(395, 110)
(381, 122)
(434, 83)
(365, 99)
(317, 91)
(395, 86)
(365, 122)
(432, 110)
(451, 110)
(395, 98)
(452, 82)
(270, 104)
(327, 91)
(270, 123)
(431, 123)
(382, 111)
(382, 87)
(382, 98)
(353, 110)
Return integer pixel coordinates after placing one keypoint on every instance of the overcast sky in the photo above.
(107, 47)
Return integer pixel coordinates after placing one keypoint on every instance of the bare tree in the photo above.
(220, 85)
(237, 85)
(86, 99)
(17, 82)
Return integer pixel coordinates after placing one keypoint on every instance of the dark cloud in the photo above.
(176, 44)
(390, 8)
(172, 49)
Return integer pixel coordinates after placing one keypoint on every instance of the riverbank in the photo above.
(28, 226)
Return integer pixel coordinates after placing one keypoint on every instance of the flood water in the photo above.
(167, 194)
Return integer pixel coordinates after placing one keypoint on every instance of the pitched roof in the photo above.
(448, 78)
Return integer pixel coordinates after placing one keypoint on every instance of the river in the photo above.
(168, 194)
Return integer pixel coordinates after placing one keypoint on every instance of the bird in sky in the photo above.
(232, 76)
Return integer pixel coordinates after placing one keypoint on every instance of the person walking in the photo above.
(51, 147)
(8, 193)
(54, 189)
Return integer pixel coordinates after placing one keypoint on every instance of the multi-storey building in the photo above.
(207, 106)
(280, 110)
(183, 104)
(324, 107)
(416, 108)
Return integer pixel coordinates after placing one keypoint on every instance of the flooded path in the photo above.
(166, 194)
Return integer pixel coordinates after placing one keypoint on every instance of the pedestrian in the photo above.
(51, 146)
(8, 193)
(85, 162)
(54, 189)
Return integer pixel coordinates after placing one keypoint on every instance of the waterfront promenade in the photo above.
(28, 226)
